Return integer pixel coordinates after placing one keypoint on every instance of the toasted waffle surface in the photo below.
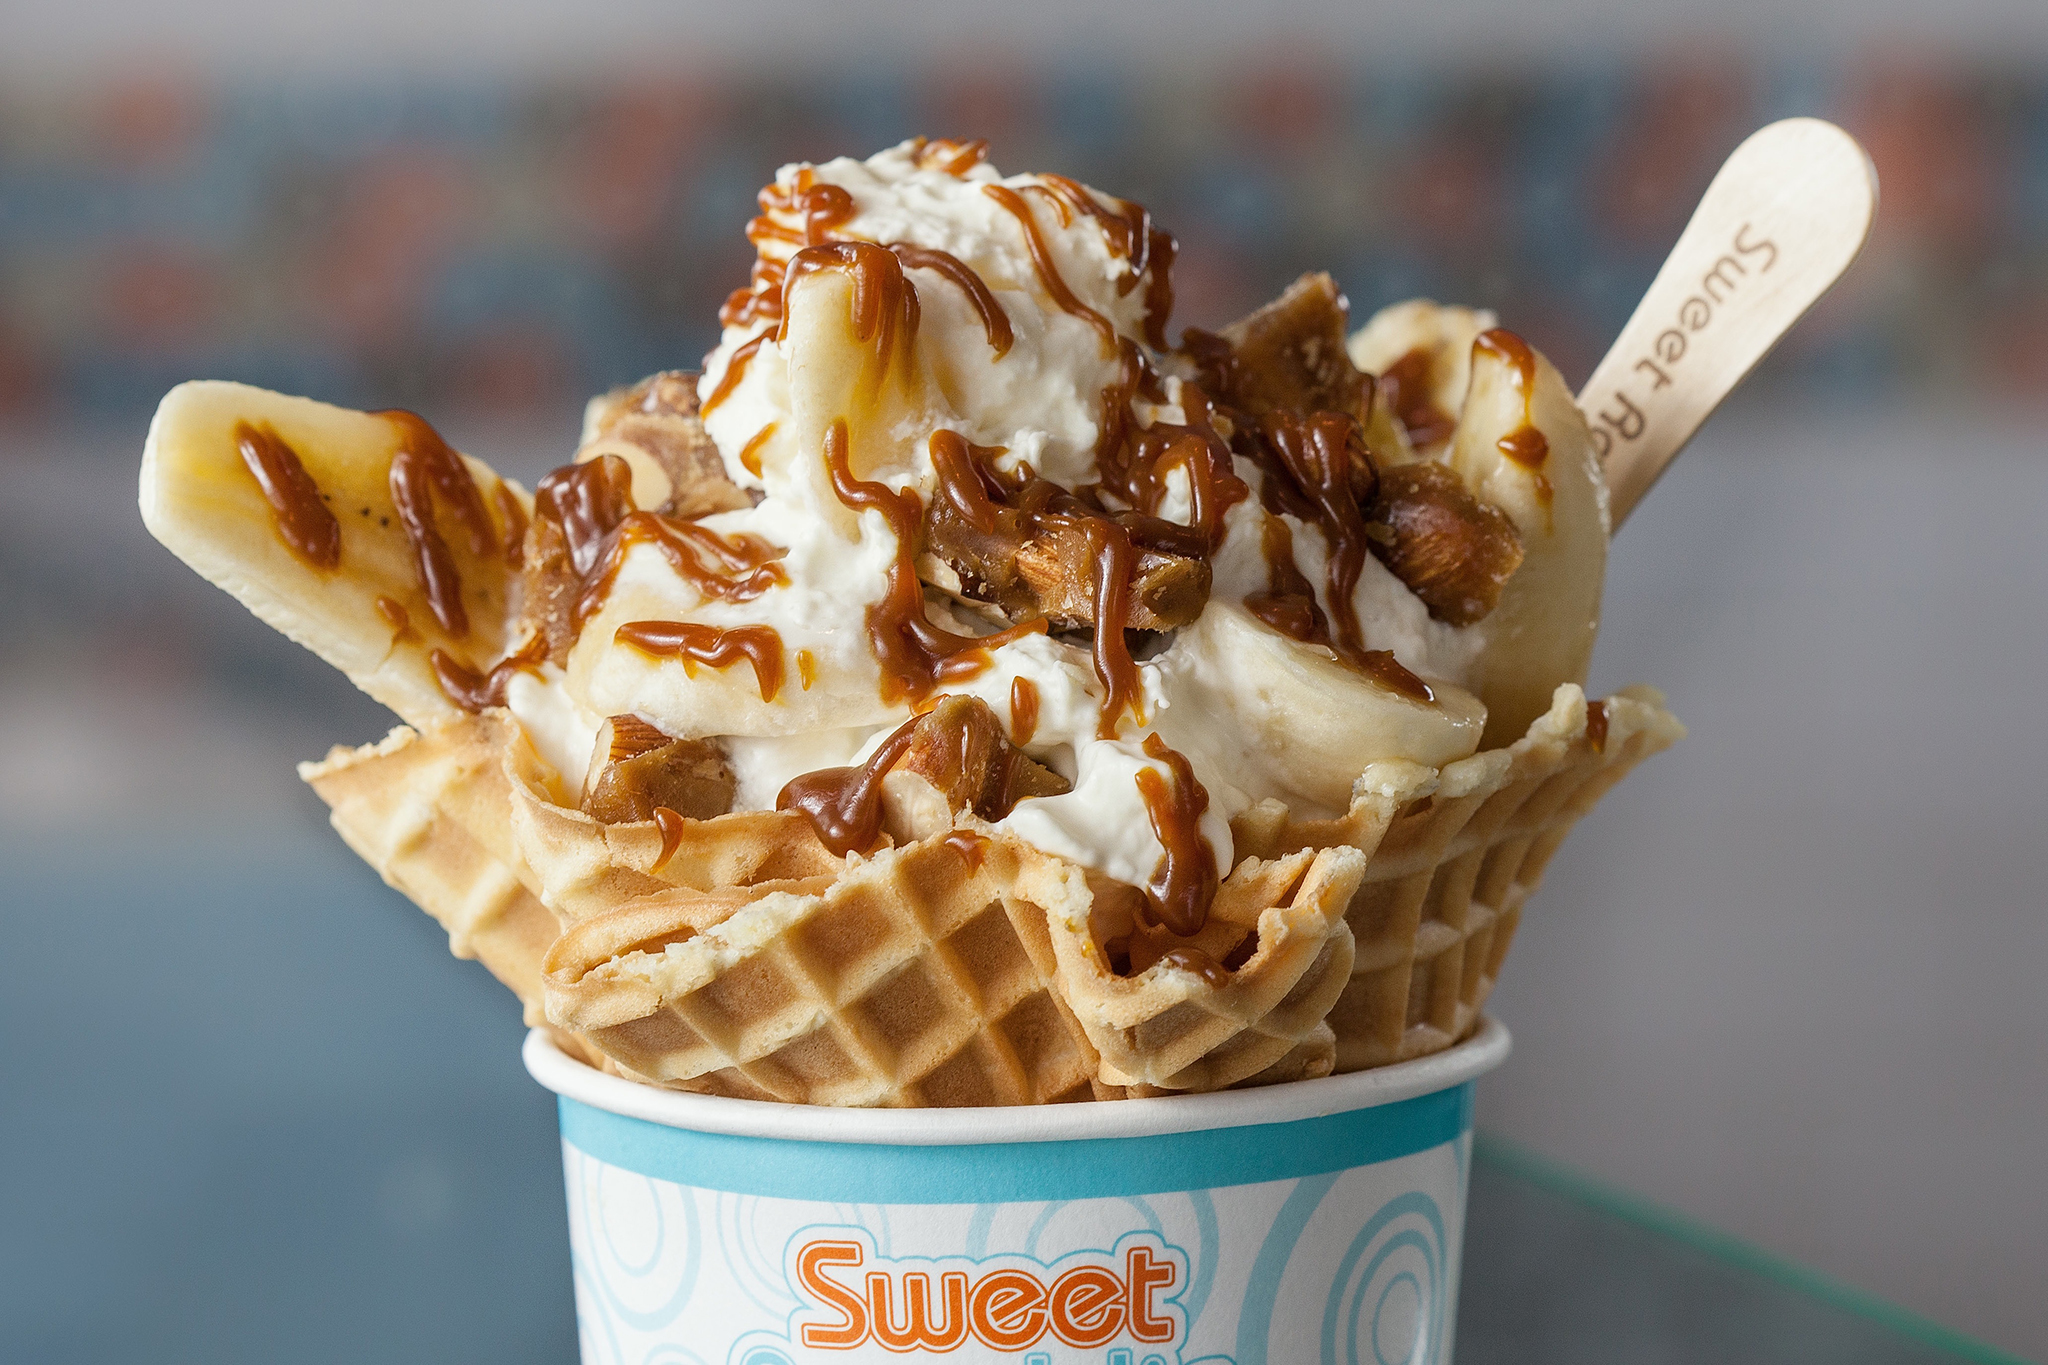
(1169, 1027)
(428, 809)
(921, 976)
(1443, 891)
(740, 957)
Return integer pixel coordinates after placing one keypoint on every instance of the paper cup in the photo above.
(1318, 1221)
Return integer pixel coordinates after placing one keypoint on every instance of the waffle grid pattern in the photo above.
(913, 981)
(1443, 894)
(938, 976)
(420, 809)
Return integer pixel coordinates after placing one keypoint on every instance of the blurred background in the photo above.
(1788, 981)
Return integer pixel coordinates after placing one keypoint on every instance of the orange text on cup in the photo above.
(1005, 1307)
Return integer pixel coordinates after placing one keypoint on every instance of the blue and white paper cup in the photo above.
(1317, 1221)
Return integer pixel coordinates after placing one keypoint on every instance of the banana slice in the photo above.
(1522, 445)
(855, 364)
(1423, 349)
(1305, 723)
(323, 556)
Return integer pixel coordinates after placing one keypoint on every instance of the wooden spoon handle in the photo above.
(1785, 216)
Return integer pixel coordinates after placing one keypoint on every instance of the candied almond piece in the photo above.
(548, 588)
(636, 768)
(960, 748)
(1291, 354)
(655, 427)
(1046, 568)
(1453, 551)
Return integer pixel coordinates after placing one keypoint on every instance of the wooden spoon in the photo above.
(1786, 214)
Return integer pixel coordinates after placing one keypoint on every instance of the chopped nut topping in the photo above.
(637, 768)
(1030, 565)
(653, 425)
(1453, 551)
(548, 588)
(1290, 354)
(628, 736)
(960, 748)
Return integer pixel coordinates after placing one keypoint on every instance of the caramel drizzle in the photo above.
(1317, 452)
(825, 207)
(971, 845)
(958, 464)
(1048, 269)
(885, 307)
(735, 370)
(1288, 604)
(750, 453)
(304, 522)
(776, 198)
(395, 616)
(588, 501)
(950, 155)
(760, 300)
(1184, 882)
(915, 655)
(1596, 726)
(1115, 561)
(974, 492)
(1319, 472)
(1164, 248)
(724, 568)
(1130, 233)
(474, 691)
(844, 805)
(424, 472)
(1023, 710)
(819, 208)
(672, 825)
(1127, 228)
(709, 645)
(1133, 462)
(592, 503)
(994, 320)
(1406, 384)
(1192, 959)
(1526, 445)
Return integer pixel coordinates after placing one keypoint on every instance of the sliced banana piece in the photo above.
(1522, 445)
(362, 609)
(1439, 337)
(854, 364)
(1295, 718)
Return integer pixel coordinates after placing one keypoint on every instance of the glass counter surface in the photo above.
(1559, 1267)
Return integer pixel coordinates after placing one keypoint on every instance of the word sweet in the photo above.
(1083, 1302)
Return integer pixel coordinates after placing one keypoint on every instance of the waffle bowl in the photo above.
(959, 966)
